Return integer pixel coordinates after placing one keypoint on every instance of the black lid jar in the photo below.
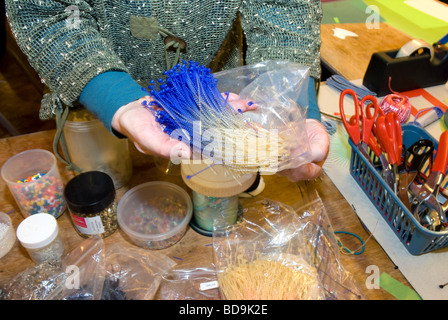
(91, 200)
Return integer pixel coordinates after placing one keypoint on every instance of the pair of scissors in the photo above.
(425, 195)
(404, 180)
(420, 156)
(388, 133)
(360, 125)
(414, 159)
(375, 148)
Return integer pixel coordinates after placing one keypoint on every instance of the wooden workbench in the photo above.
(350, 57)
(277, 188)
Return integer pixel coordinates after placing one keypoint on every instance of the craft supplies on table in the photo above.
(34, 180)
(39, 235)
(91, 200)
(215, 190)
(397, 103)
(93, 148)
(155, 214)
(415, 237)
(427, 116)
(7, 234)
(340, 83)
(381, 167)
(411, 70)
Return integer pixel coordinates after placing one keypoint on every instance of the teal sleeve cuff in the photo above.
(313, 107)
(109, 91)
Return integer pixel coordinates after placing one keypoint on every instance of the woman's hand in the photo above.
(138, 123)
(240, 105)
(319, 145)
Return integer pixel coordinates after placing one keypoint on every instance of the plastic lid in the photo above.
(89, 192)
(37, 230)
(216, 180)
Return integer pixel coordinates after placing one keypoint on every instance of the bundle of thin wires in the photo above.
(189, 107)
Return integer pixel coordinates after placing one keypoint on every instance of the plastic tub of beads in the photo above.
(155, 215)
(34, 180)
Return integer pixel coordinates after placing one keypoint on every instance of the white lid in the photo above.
(37, 230)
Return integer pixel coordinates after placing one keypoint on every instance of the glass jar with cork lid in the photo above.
(215, 190)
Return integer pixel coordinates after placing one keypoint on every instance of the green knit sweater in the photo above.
(70, 42)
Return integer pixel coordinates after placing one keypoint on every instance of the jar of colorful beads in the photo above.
(33, 178)
(215, 190)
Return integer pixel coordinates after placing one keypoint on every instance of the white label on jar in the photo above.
(92, 225)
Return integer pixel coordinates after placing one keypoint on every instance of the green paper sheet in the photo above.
(411, 21)
(397, 289)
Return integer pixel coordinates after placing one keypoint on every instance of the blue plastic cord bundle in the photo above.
(189, 94)
(340, 83)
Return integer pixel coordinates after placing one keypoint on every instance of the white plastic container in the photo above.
(39, 235)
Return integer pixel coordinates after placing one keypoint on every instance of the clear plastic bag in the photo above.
(133, 273)
(93, 272)
(34, 283)
(336, 281)
(196, 283)
(76, 276)
(271, 80)
(121, 272)
(280, 252)
(280, 91)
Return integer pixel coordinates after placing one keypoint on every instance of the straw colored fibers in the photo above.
(269, 280)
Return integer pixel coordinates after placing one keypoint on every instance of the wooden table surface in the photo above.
(350, 57)
(341, 215)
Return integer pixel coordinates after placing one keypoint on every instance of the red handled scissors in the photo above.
(360, 129)
(360, 126)
(388, 133)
